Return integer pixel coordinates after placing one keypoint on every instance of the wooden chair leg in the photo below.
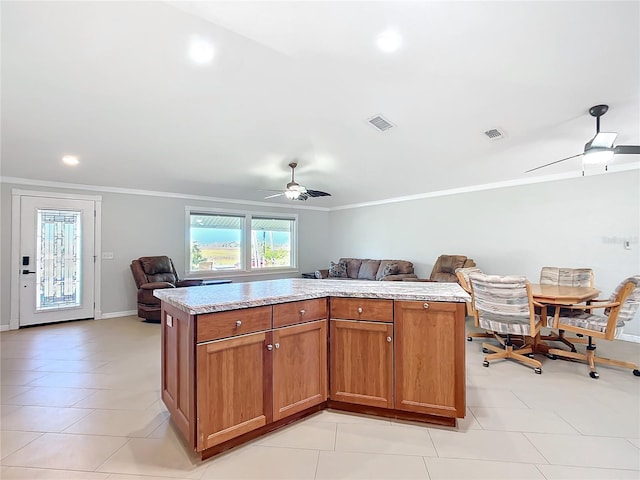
(507, 352)
(591, 359)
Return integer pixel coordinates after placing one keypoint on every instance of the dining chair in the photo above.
(463, 280)
(620, 308)
(504, 305)
(568, 277)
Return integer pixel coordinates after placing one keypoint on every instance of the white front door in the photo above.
(57, 259)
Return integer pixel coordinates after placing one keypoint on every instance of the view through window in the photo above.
(231, 242)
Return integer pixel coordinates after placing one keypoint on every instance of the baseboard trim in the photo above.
(125, 313)
(630, 338)
(4, 328)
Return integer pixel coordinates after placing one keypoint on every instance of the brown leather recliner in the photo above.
(151, 273)
(445, 268)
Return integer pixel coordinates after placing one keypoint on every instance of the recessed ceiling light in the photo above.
(70, 160)
(201, 50)
(389, 41)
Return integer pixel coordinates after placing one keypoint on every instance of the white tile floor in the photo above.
(81, 401)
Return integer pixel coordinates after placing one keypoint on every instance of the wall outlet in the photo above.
(107, 255)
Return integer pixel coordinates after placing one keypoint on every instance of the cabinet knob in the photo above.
(389, 339)
(277, 345)
(269, 347)
(302, 312)
(425, 305)
(238, 323)
(359, 309)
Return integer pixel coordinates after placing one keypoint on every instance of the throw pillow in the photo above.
(390, 269)
(338, 270)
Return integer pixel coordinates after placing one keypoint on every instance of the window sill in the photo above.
(213, 274)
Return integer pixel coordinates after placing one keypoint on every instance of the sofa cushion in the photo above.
(353, 266)
(338, 270)
(368, 269)
(403, 267)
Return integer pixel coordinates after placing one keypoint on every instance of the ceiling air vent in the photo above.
(494, 134)
(380, 123)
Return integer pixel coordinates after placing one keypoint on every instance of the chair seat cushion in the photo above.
(506, 324)
(589, 321)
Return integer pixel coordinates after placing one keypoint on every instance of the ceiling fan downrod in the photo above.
(598, 111)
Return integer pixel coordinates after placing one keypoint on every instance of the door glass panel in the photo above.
(58, 268)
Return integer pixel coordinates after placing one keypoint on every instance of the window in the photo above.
(240, 242)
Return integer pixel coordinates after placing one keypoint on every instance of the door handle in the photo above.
(24, 272)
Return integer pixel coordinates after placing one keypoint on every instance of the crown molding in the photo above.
(149, 193)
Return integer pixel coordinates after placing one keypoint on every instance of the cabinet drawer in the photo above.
(298, 312)
(212, 326)
(375, 310)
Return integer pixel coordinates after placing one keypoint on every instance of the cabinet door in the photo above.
(429, 349)
(233, 397)
(299, 368)
(361, 362)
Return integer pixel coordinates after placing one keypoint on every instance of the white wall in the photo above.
(512, 230)
(138, 225)
(517, 230)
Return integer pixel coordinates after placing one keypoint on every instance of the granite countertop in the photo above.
(232, 296)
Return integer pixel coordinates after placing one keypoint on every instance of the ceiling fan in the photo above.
(295, 191)
(600, 149)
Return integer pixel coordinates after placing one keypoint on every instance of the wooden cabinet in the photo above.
(429, 358)
(298, 312)
(362, 362)
(232, 395)
(247, 381)
(212, 326)
(230, 376)
(371, 309)
(299, 368)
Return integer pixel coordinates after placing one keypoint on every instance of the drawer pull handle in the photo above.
(269, 347)
(425, 305)
(277, 345)
(238, 323)
(389, 339)
(302, 312)
(359, 309)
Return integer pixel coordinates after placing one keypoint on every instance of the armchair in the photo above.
(151, 273)
(505, 306)
(445, 268)
(621, 307)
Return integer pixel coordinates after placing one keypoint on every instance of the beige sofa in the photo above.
(368, 269)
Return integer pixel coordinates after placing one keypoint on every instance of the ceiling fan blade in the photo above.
(275, 195)
(553, 163)
(317, 193)
(627, 149)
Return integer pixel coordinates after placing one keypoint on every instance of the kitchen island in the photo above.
(242, 359)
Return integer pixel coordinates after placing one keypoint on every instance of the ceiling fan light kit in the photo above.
(295, 191)
(599, 150)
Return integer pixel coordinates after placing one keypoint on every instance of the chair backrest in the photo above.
(153, 269)
(504, 304)
(568, 277)
(628, 294)
(463, 276)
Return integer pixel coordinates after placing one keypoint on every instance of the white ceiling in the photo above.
(111, 83)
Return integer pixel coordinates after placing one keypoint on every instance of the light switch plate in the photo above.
(169, 321)
(107, 255)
